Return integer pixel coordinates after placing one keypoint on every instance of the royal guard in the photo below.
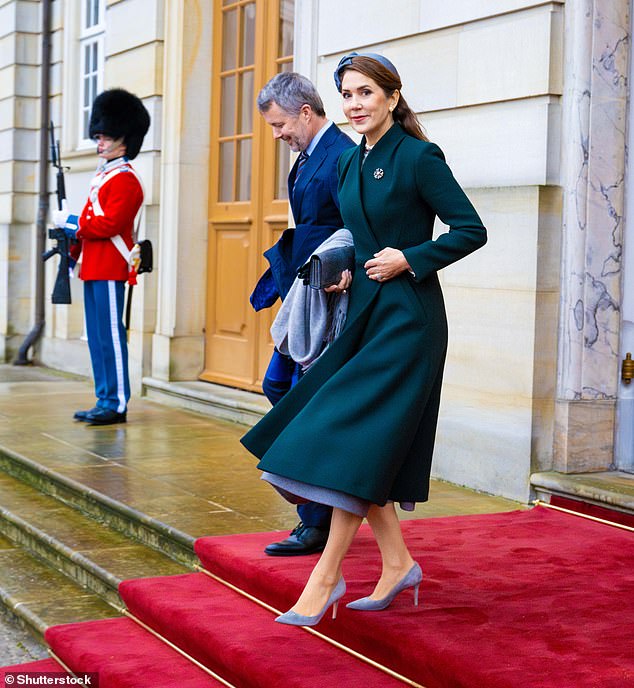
(104, 236)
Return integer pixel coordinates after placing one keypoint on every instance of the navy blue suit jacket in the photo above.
(315, 207)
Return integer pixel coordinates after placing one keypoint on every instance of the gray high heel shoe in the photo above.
(294, 619)
(412, 579)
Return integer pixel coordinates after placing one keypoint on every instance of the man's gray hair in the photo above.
(290, 90)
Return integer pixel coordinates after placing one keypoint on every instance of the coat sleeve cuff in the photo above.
(418, 269)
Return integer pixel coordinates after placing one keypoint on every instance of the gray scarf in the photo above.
(311, 319)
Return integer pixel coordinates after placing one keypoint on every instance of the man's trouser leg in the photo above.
(278, 378)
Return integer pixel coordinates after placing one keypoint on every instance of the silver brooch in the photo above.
(378, 173)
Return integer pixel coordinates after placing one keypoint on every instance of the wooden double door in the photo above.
(248, 209)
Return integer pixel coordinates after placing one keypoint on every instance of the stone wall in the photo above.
(19, 123)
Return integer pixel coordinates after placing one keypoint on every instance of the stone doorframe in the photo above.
(596, 61)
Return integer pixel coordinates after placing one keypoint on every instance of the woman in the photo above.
(358, 431)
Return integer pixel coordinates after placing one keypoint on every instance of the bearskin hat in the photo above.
(120, 114)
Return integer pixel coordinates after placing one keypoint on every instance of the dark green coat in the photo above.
(363, 418)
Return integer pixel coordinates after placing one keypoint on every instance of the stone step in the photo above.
(17, 644)
(210, 399)
(38, 596)
(611, 489)
(119, 516)
(89, 553)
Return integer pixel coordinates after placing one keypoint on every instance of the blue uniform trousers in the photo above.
(107, 342)
(282, 374)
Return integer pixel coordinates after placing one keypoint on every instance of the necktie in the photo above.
(301, 161)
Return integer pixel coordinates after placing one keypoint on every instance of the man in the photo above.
(104, 236)
(292, 107)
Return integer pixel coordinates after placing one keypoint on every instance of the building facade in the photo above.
(529, 101)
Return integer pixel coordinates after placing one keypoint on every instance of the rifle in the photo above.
(61, 289)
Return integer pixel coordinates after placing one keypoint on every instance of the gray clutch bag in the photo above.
(324, 269)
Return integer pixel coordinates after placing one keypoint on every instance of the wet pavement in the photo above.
(178, 466)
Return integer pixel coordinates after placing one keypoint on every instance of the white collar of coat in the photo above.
(110, 165)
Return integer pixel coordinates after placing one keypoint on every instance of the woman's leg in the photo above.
(327, 572)
(395, 556)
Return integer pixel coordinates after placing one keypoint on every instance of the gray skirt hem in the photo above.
(297, 492)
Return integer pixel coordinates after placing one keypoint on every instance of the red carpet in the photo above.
(529, 599)
(124, 656)
(522, 599)
(603, 512)
(205, 616)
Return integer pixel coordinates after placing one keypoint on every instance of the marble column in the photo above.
(593, 168)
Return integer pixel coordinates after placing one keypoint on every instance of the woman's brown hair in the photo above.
(388, 82)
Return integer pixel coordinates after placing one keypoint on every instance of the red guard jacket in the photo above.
(113, 203)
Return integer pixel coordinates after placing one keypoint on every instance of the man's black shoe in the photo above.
(83, 415)
(302, 540)
(105, 417)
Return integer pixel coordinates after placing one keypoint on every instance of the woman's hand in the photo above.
(346, 281)
(386, 264)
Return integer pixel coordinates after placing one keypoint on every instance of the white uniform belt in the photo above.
(121, 247)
